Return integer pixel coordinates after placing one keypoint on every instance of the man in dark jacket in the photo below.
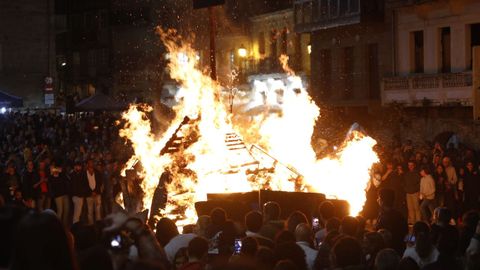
(79, 190)
(29, 178)
(58, 185)
(391, 219)
(412, 188)
(95, 187)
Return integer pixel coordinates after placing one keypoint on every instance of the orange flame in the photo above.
(209, 165)
(284, 62)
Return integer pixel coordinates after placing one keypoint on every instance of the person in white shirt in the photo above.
(182, 240)
(95, 188)
(304, 238)
(427, 195)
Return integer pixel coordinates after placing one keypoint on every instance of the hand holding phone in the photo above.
(237, 247)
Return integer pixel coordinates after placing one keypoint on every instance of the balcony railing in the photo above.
(311, 15)
(437, 88)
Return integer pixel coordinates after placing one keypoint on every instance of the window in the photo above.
(77, 21)
(103, 19)
(325, 72)
(273, 44)
(324, 8)
(348, 69)
(416, 51)
(103, 57)
(92, 58)
(445, 49)
(354, 6)
(373, 73)
(261, 43)
(90, 20)
(474, 40)
(334, 8)
(76, 58)
(343, 7)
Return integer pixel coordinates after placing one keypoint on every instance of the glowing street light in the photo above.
(242, 52)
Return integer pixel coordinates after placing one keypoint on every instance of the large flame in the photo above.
(209, 165)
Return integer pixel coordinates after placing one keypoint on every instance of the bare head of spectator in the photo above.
(446, 162)
(444, 216)
(423, 243)
(265, 258)
(181, 258)
(373, 243)
(203, 222)
(387, 259)
(387, 237)
(332, 224)
(41, 242)
(294, 219)
(347, 252)
(165, 231)
(411, 165)
(249, 246)
(226, 239)
(304, 233)
(326, 210)
(253, 221)
(293, 252)
(271, 211)
(197, 250)
(218, 216)
(90, 165)
(349, 226)
(284, 237)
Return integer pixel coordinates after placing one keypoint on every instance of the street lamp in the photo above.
(242, 52)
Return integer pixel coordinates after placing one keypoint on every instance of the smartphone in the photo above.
(116, 242)
(315, 224)
(410, 238)
(238, 246)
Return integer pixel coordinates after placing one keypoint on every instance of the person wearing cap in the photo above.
(79, 190)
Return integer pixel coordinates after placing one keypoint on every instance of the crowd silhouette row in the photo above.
(60, 176)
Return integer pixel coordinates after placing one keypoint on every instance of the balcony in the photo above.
(313, 15)
(431, 89)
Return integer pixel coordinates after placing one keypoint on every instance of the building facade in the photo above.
(350, 49)
(433, 54)
(84, 58)
(255, 47)
(27, 49)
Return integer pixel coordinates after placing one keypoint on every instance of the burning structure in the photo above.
(207, 150)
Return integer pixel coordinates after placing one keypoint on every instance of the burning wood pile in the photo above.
(208, 150)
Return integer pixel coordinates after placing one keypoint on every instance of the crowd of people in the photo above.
(68, 162)
(426, 178)
(60, 174)
(39, 240)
